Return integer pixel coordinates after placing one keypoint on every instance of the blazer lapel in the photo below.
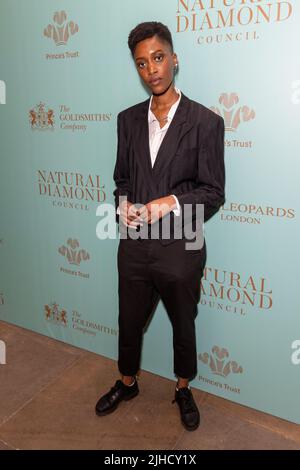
(141, 141)
(179, 126)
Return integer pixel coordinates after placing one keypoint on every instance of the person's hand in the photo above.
(156, 209)
(129, 214)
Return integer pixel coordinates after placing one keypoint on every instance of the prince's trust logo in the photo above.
(59, 32)
(56, 315)
(74, 256)
(218, 362)
(227, 21)
(41, 118)
(232, 112)
(221, 365)
(234, 115)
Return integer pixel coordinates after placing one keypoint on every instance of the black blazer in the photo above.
(189, 163)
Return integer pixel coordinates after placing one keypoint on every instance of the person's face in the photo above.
(155, 63)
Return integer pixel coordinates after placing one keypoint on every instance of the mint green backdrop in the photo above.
(68, 72)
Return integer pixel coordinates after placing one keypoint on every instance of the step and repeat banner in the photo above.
(65, 73)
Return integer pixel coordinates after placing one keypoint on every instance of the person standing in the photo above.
(170, 160)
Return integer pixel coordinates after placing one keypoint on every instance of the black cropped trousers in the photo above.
(149, 272)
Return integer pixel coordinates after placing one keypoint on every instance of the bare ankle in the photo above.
(128, 380)
(182, 383)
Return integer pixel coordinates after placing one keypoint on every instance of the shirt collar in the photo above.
(151, 116)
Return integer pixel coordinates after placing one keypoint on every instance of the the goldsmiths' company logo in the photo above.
(41, 118)
(219, 363)
(88, 327)
(223, 21)
(71, 252)
(54, 314)
(61, 30)
(232, 112)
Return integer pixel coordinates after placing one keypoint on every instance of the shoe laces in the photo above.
(117, 386)
(184, 395)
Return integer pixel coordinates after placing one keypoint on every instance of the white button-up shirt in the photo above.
(157, 134)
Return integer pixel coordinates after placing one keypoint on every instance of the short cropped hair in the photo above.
(148, 30)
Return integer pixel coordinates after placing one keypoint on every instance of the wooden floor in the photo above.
(48, 391)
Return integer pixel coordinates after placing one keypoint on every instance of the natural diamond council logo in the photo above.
(72, 253)
(41, 118)
(219, 363)
(55, 315)
(61, 30)
(233, 113)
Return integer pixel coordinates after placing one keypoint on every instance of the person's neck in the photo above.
(166, 100)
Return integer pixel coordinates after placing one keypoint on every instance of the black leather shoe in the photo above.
(110, 401)
(189, 413)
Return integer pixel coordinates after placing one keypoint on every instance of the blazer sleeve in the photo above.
(210, 180)
(121, 173)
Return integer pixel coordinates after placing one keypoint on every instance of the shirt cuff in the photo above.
(118, 210)
(178, 208)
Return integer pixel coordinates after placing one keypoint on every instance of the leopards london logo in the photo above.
(61, 30)
(233, 113)
(55, 315)
(72, 253)
(219, 363)
(41, 118)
